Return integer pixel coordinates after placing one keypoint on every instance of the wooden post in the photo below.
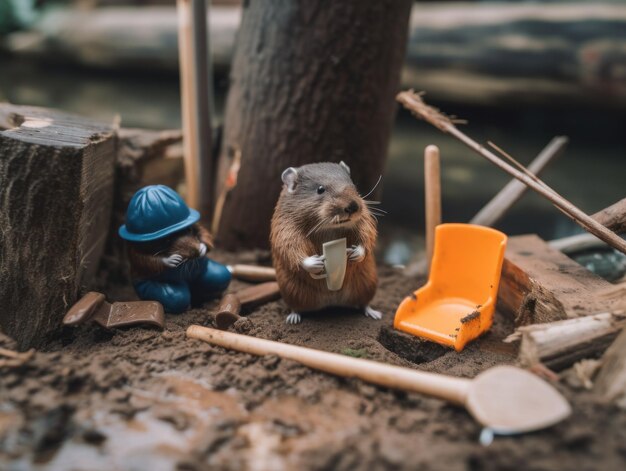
(195, 104)
(56, 189)
(432, 199)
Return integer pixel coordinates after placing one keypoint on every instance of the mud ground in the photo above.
(140, 399)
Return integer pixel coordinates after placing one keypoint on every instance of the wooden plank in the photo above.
(540, 284)
(560, 344)
(56, 189)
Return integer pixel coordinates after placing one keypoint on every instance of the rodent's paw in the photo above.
(173, 260)
(356, 253)
(373, 313)
(293, 318)
(314, 264)
(202, 250)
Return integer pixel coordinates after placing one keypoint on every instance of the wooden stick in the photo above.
(252, 273)
(613, 217)
(432, 189)
(195, 104)
(445, 387)
(495, 209)
(560, 344)
(416, 105)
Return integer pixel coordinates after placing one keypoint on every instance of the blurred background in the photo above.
(519, 72)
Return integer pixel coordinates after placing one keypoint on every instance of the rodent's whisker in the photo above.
(378, 210)
(372, 190)
(369, 202)
(317, 226)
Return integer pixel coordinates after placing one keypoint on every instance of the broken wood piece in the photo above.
(56, 192)
(253, 273)
(613, 217)
(540, 284)
(432, 197)
(495, 209)
(414, 103)
(610, 382)
(93, 307)
(228, 310)
(560, 344)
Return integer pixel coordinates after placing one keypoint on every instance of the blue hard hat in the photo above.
(156, 211)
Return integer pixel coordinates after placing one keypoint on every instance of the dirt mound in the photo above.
(144, 399)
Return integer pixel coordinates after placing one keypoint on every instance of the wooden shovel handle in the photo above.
(444, 387)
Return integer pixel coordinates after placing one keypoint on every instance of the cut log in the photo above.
(611, 380)
(560, 344)
(56, 191)
(540, 284)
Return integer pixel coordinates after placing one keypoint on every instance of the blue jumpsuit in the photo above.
(193, 281)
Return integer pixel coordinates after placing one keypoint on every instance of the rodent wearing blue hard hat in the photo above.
(167, 248)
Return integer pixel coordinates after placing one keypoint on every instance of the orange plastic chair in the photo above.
(458, 302)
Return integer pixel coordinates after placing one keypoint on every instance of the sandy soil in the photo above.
(142, 399)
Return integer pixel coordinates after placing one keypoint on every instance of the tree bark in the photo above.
(311, 81)
(56, 190)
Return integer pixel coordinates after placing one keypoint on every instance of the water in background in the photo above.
(591, 173)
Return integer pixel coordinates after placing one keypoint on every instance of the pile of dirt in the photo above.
(144, 399)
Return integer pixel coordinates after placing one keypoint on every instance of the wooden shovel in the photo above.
(505, 399)
(231, 304)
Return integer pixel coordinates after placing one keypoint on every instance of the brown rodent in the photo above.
(319, 203)
(148, 259)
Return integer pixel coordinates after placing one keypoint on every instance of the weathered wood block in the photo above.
(540, 284)
(56, 185)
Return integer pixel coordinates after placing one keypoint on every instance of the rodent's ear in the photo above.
(345, 166)
(290, 177)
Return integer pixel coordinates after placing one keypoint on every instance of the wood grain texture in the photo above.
(540, 284)
(560, 344)
(311, 82)
(56, 188)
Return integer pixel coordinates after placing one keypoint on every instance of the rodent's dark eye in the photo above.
(320, 190)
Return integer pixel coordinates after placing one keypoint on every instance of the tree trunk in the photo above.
(311, 81)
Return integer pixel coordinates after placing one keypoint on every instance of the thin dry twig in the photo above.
(414, 102)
